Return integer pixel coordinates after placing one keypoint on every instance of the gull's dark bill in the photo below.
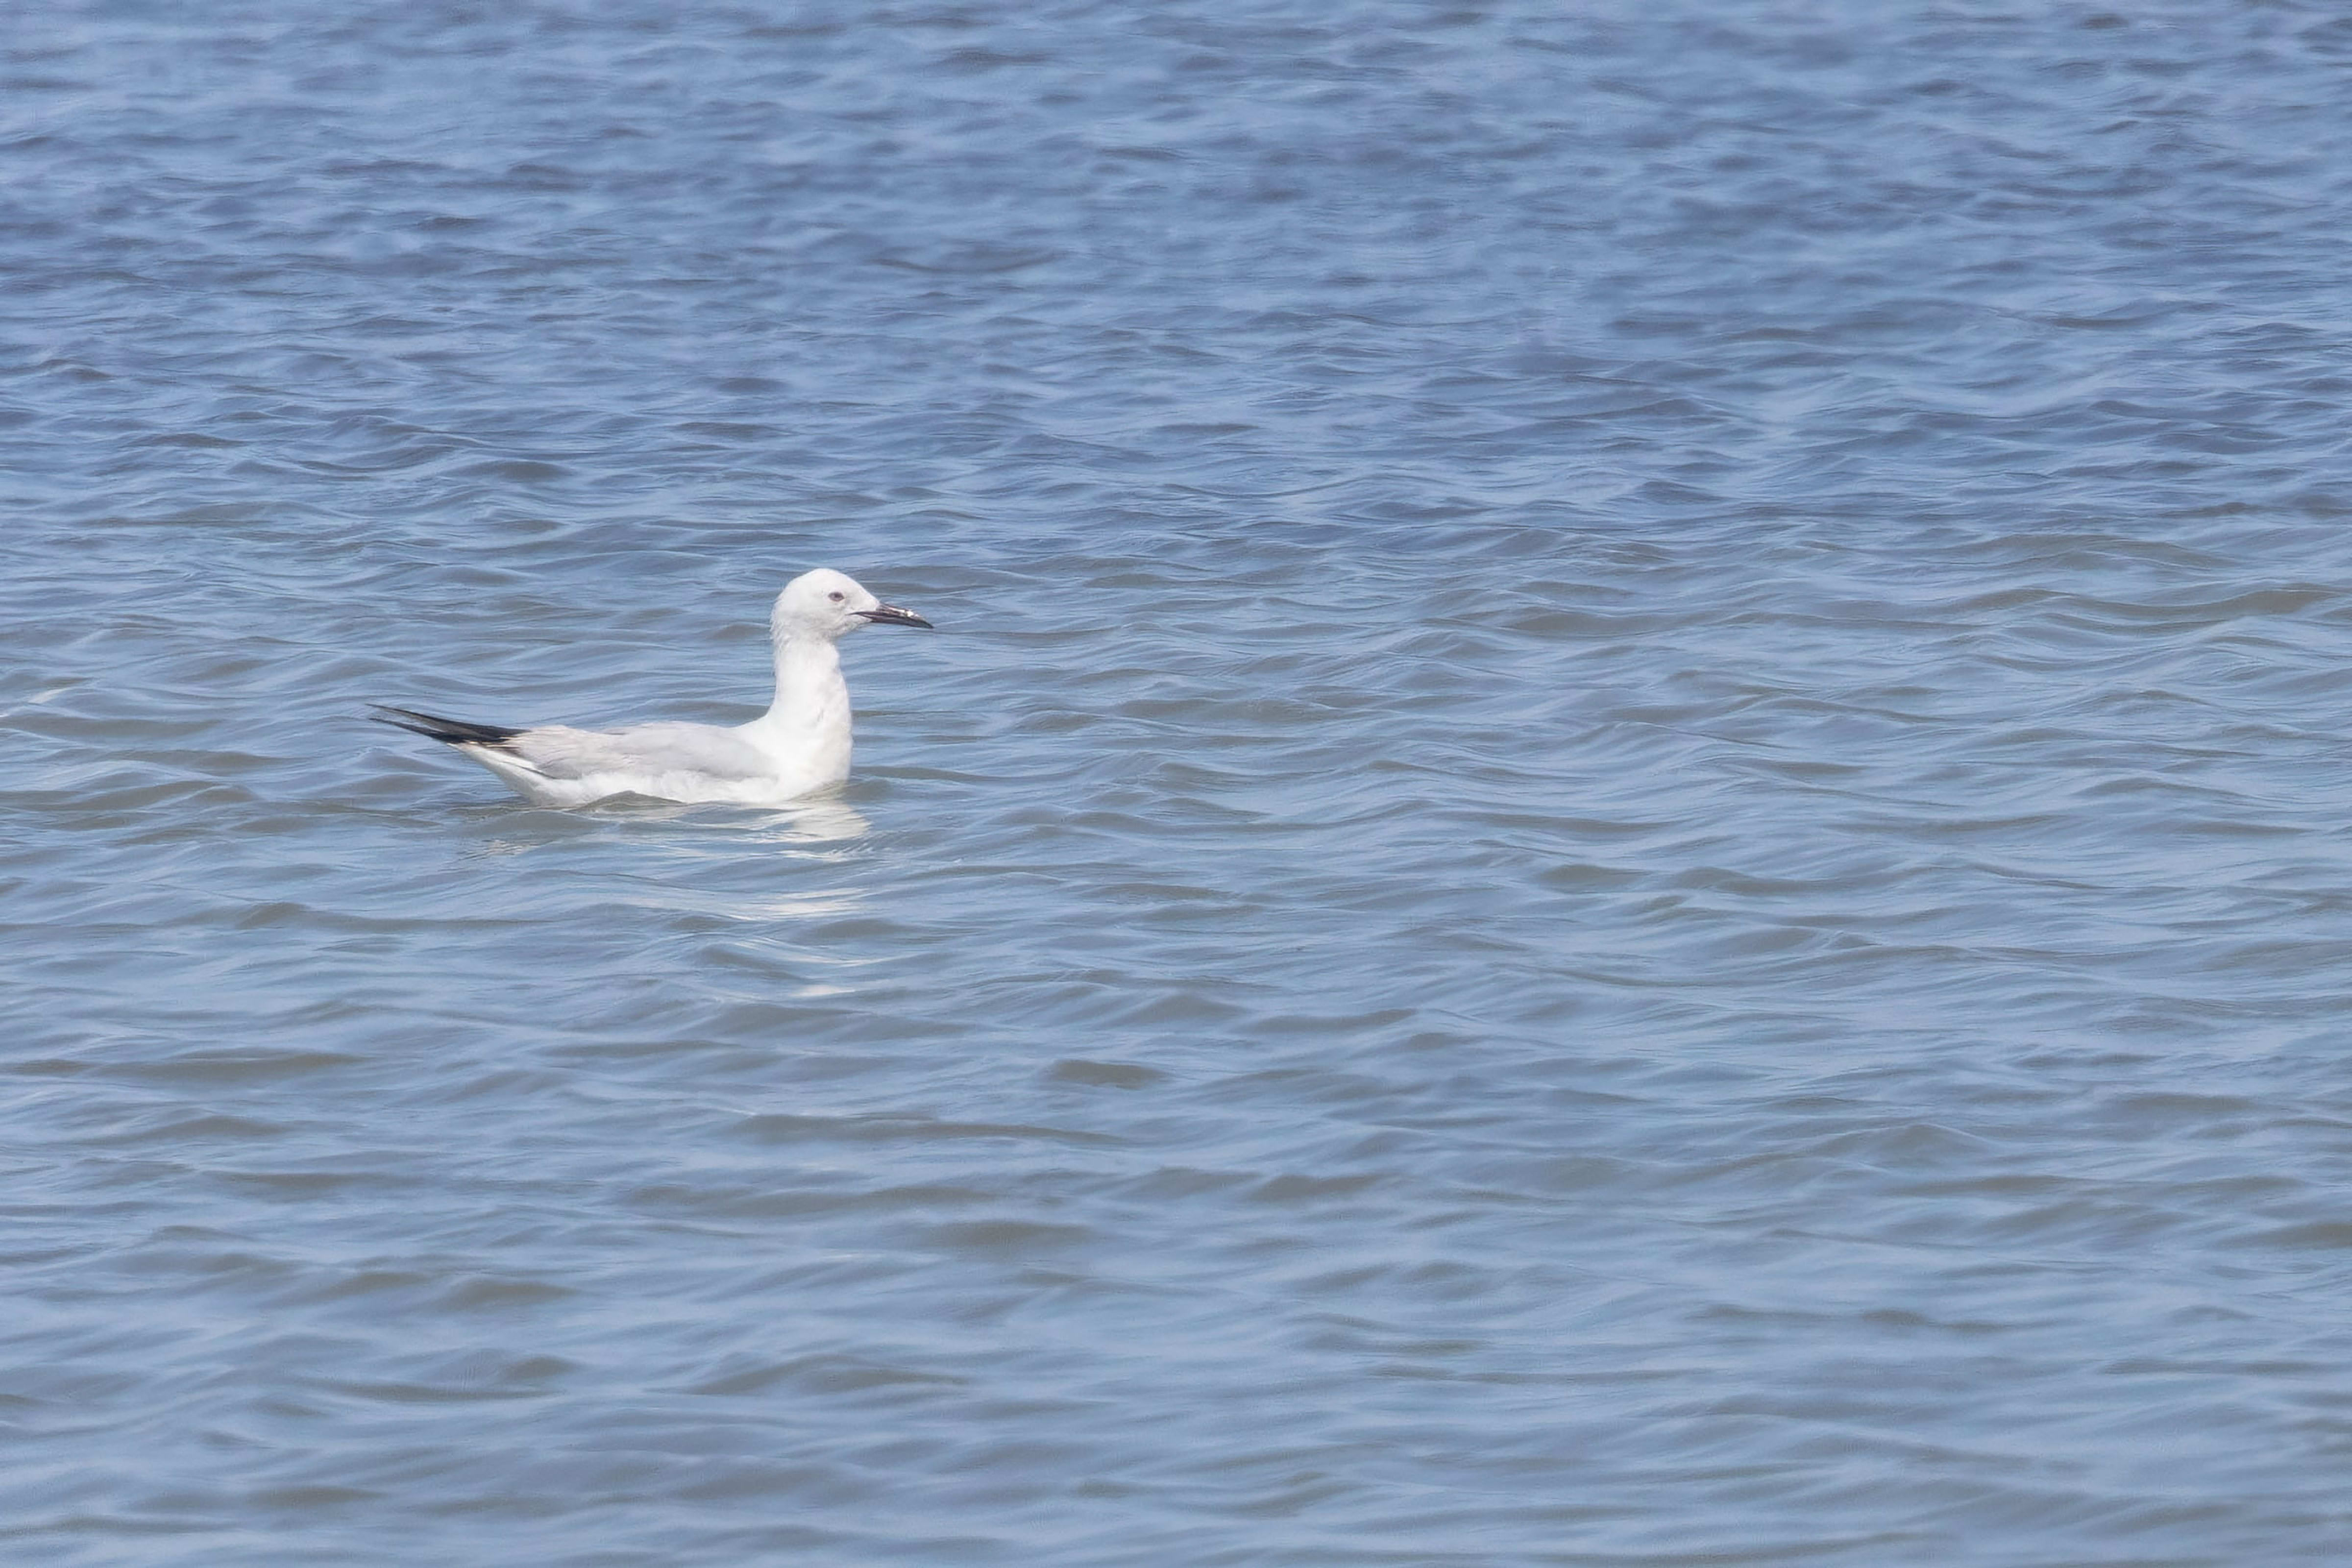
(892, 616)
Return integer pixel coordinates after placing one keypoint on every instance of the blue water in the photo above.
(1625, 847)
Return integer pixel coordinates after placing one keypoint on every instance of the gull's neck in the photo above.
(809, 721)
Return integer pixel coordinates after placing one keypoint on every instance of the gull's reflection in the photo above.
(822, 826)
(816, 821)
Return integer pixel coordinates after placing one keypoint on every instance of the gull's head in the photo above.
(825, 603)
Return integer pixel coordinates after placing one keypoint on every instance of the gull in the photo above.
(799, 745)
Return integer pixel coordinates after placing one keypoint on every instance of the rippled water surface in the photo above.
(1625, 847)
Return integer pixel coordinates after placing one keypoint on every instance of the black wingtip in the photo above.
(449, 731)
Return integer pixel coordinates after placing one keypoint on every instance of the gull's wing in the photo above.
(451, 731)
(641, 750)
(644, 752)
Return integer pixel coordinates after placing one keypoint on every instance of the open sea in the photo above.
(1626, 845)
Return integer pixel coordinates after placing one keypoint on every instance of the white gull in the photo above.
(800, 744)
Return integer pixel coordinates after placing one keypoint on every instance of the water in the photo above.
(1625, 847)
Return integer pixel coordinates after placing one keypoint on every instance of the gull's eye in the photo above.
(835, 595)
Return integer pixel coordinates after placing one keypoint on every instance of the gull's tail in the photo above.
(449, 732)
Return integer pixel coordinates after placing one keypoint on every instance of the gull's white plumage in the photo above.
(799, 745)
